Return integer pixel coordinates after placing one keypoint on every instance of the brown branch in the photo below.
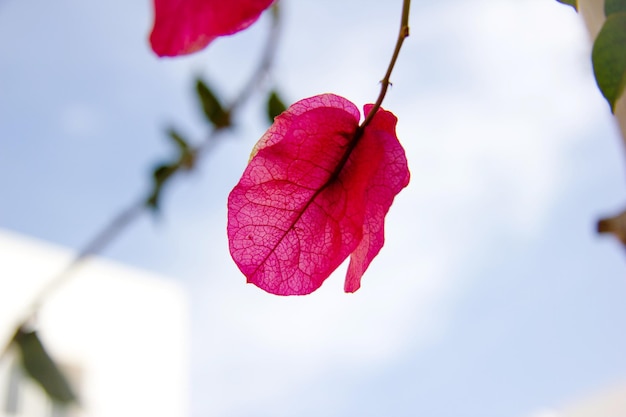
(386, 81)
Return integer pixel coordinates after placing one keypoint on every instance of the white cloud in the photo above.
(488, 157)
(497, 139)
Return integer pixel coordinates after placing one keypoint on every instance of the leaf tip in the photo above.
(573, 3)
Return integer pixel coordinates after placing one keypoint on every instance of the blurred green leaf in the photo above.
(614, 6)
(609, 57)
(160, 175)
(177, 138)
(187, 160)
(40, 367)
(573, 3)
(163, 172)
(187, 153)
(211, 106)
(275, 106)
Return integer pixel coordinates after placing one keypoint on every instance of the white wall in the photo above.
(610, 402)
(124, 333)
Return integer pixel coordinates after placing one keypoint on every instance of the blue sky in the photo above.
(493, 296)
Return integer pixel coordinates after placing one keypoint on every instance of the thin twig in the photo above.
(358, 134)
(384, 84)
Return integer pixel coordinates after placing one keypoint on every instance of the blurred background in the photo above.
(493, 295)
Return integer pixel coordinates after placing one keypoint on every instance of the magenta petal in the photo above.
(308, 199)
(390, 178)
(185, 26)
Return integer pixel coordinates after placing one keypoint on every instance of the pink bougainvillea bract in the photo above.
(311, 196)
(185, 26)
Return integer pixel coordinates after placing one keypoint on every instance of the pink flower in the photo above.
(313, 194)
(185, 26)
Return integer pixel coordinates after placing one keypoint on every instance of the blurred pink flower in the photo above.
(186, 26)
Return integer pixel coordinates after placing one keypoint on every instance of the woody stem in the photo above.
(404, 33)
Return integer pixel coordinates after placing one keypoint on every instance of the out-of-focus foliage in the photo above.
(609, 56)
(572, 3)
(41, 368)
(211, 106)
(185, 160)
(275, 106)
(609, 50)
(614, 6)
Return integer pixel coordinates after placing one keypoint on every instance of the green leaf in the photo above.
(211, 106)
(40, 367)
(275, 106)
(573, 3)
(160, 175)
(614, 6)
(177, 138)
(187, 153)
(609, 58)
(163, 172)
